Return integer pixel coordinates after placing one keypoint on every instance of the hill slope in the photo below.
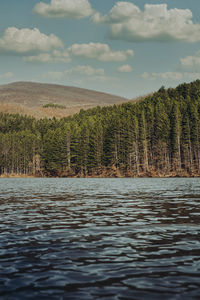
(29, 98)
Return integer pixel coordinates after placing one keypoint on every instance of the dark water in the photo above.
(100, 239)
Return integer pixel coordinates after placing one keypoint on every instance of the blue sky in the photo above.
(127, 48)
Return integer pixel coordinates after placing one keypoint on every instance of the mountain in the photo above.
(28, 98)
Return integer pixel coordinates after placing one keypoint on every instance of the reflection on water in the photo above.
(99, 239)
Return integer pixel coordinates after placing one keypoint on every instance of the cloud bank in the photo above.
(7, 75)
(125, 69)
(76, 9)
(81, 70)
(35, 46)
(173, 76)
(164, 75)
(86, 70)
(191, 63)
(98, 51)
(55, 56)
(156, 23)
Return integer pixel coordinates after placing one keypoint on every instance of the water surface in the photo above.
(100, 239)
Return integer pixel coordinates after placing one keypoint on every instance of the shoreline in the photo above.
(105, 176)
(17, 176)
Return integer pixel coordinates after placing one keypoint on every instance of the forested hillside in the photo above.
(158, 136)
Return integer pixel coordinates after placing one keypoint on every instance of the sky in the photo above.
(127, 48)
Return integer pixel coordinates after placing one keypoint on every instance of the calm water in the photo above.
(100, 239)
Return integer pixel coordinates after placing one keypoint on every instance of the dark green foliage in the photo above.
(52, 105)
(159, 135)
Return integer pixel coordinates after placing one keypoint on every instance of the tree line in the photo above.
(157, 136)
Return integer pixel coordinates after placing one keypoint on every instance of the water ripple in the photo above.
(99, 239)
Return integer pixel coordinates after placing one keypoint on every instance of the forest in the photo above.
(156, 136)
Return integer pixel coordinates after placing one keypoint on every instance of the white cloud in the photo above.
(55, 75)
(102, 78)
(80, 70)
(64, 9)
(121, 11)
(192, 75)
(55, 56)
(25, 40)
(101, 52)
(168, 75)
(156, 23)
(98, 51)
(173, 76)
(125, 69)
(42, 57)
(164, 75)
(145, 75)
(86, 73)
(86, 70)
(6, 75)
(191, 63)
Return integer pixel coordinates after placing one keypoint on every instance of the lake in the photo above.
(100, 238)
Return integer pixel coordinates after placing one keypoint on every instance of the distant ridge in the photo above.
(30, 97)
